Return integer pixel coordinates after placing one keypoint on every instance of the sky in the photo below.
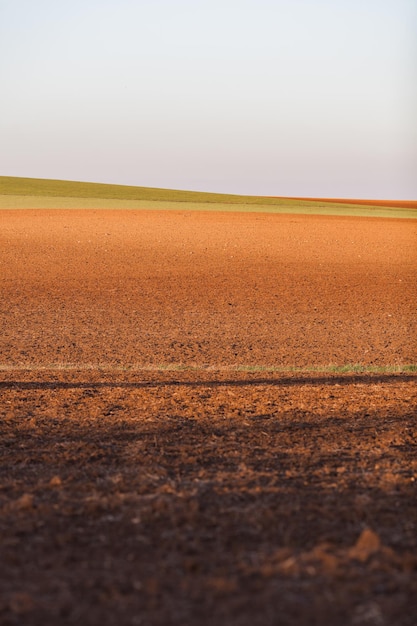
(311, 98)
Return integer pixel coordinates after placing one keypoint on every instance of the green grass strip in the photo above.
(354, 368)
(39, 202)
(27, 193)
(10, 185)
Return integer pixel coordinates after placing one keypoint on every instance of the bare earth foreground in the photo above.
(162, 464)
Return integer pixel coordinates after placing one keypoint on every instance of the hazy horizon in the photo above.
(272, 98)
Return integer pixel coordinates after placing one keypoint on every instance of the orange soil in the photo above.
(209, 497)
(206, 289)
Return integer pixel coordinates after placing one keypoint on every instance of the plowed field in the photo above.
(168, 454)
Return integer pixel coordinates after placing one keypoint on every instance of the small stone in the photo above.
(25, 502)
(367, 544)
(21, 603)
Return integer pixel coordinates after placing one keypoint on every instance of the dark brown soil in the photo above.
(210, 496)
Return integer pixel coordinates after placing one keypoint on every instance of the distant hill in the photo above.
(18, 193)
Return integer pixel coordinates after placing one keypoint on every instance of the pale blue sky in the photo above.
(274, 97)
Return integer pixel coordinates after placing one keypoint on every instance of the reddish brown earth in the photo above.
(209, 496)
(399, 204)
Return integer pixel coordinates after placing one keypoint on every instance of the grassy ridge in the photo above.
(50, 202)
(61, 188)
(41, 193)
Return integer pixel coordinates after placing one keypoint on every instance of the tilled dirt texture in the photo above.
(209, 495)
(200, 288)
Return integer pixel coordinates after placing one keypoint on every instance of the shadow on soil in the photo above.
(169, 521)
(137, 523)
(277, 382)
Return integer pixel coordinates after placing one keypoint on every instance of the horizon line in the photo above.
(350, 199)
